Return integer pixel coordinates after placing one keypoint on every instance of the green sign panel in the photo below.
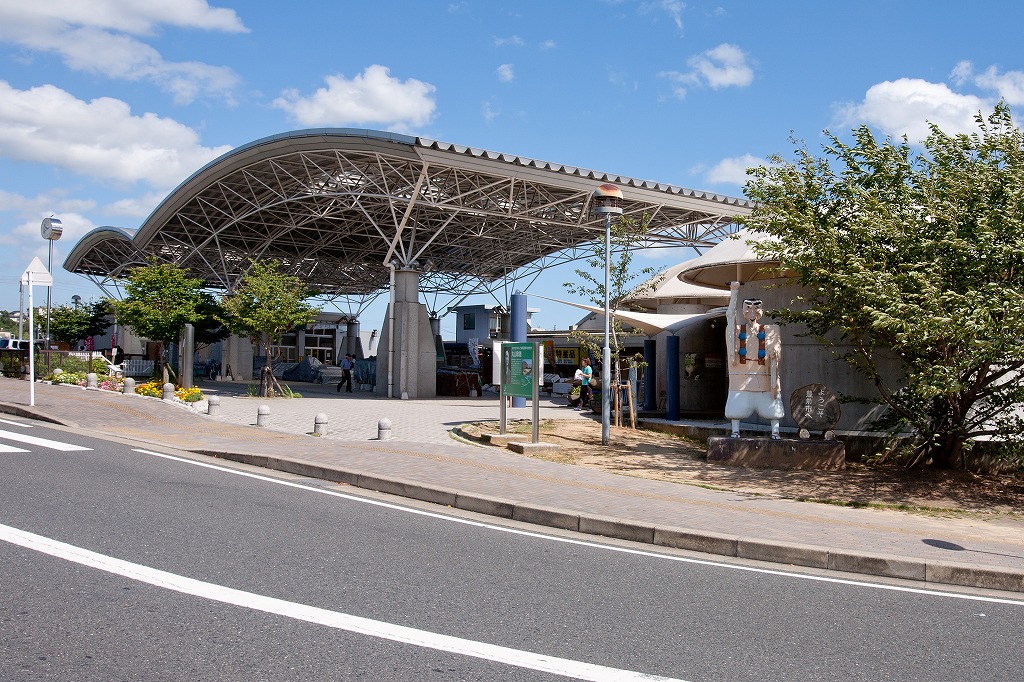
(517, 369)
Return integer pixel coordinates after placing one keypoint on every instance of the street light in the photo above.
(52, 229)
(607, 201)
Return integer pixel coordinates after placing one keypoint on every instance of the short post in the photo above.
(91, 381)
(262, 415)
(320, 425)
(168, 391)
(213, 405)
(129, 386)
(384, 429)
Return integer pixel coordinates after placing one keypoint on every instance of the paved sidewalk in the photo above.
(424, 461)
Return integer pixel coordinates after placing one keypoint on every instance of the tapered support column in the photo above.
(650, 375)
(672, 378)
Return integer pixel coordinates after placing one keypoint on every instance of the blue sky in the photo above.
(106, 105)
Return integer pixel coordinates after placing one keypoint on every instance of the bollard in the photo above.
(168, 391)
(384, 429)
(129, 386)
(91, 381)
(262, 415)
(213, 405)
(320, 425)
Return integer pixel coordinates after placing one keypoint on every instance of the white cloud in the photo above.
(490, 113)
(372, 98)
(548, 45)
(129, 16)
(100, 138)
(721, 67)
(513, 41)
(135, 207)
(674, 9)
(101, 36)
(906, 106)
(733, 170)
(1008, 85)
(506, 73)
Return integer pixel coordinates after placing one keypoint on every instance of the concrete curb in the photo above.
(794, 554)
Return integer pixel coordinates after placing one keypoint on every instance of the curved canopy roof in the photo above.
(336, 206)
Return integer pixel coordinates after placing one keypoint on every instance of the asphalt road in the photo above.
(117, 563)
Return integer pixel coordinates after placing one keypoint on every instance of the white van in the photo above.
(17, 344)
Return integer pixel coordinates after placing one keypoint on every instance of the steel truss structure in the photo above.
(336, 207)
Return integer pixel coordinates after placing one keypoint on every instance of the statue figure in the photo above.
(754, 350)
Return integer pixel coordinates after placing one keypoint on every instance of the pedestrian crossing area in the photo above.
(23, 438)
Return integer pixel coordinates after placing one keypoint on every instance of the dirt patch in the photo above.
(654, 455)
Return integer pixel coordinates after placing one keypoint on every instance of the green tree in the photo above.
(626, 233)
(920, 254)
(265, 304)
(160, 299)
(70, 324)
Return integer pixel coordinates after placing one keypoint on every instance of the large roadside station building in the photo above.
(358, 214)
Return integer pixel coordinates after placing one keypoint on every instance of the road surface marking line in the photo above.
(11, 448)
(585, 543)
(41, 442)
(8, 421)
(312, 614)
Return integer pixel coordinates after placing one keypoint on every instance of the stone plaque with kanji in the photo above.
(814, 407)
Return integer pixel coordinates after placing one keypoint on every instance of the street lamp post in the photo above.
(607, 201)
(52, 229)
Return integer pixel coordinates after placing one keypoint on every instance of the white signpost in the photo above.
(35, 274)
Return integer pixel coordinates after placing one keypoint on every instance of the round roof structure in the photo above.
(336, 206)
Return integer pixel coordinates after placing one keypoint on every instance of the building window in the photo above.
(469, 321)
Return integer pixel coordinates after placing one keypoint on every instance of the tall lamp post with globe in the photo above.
(608, 202)
(52, 229)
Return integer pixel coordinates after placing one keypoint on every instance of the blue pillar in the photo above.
(672, 378)
(650, 375)
(517, 333)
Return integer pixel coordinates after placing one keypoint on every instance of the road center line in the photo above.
(311, 614)
(596, 545)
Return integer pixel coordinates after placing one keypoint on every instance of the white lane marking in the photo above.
(8, 421)
(41, 442)
(584, 543)
(312, 614)
(11, 448)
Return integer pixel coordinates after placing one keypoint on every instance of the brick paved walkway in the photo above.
(424, 461)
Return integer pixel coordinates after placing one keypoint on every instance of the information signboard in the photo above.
(517, 366)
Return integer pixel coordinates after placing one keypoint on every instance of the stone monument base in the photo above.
(765, 453)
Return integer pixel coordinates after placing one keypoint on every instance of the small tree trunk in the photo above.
(948, 451)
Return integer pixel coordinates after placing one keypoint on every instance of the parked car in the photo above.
(18, 344)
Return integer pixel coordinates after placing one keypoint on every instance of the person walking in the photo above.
(346, 374)
(586, 392)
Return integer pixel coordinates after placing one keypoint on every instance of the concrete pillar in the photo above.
(129, 386)
(406, 359)
(517, 331)
(672, 377)
(300, 343)
(213, 406)
(353, 344)
(650, 375)
(262, 415)
(188, 349)
(320, 424)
